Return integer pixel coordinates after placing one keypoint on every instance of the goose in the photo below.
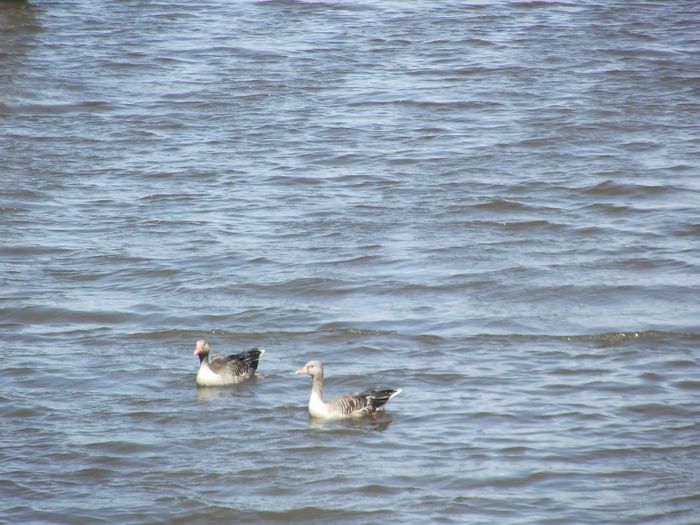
(361, 404)
(229, 370)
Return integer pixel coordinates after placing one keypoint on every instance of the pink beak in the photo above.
(195, 351)
(300, 371)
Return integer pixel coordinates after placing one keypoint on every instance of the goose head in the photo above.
(201, 348)
(313, 368)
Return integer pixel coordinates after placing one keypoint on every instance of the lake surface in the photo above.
(494, 206)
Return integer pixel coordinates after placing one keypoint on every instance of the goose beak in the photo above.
(301, 371)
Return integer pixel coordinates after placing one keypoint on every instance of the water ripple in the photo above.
(489, 205)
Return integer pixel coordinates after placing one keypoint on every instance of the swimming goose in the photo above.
(229, 370)
(352, 405)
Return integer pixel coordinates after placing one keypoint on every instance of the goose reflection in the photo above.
(378, 423)
(205, 392)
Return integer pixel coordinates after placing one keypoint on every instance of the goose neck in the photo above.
(317, 386)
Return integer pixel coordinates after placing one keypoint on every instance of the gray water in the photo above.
(494, 206)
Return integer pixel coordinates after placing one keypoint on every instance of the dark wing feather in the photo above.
(364, 403)
(242, 364)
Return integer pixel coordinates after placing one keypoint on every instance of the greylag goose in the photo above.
(229, 370)
(353, 405)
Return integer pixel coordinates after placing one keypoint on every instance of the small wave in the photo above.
(611, 209)
(690, 230)
(92, 474)
(603, 339)
(646, 263)
(317, 4)
(501, 205)
(12, 209)
(20, 412)
(32, 250)
(611, 188)
(540, 477)
(687, 385)
(425, 104)
(360, 259)
(315, 285)
(52, 109)
(120, 447)
(532, 224)
(354, 331)
(638, 146)
(618, 338)
(639, 52)
(310, 514)
(539, 4)
(664, 410)
(45, 314)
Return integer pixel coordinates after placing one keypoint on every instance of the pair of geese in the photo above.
(237, 368)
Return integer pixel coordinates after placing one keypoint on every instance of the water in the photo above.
(494, 206)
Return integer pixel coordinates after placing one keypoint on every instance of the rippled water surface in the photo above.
(492, 205)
